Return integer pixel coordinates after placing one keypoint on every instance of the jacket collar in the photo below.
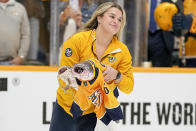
(112, 48)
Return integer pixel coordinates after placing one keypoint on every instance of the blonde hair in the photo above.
(93, 22)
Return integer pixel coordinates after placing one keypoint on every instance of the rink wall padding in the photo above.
(162, 99)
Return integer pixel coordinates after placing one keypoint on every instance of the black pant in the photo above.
(62, 121)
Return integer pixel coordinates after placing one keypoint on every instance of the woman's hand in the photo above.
(109, 74)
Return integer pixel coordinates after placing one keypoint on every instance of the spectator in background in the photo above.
(14, 33)
(87, 8)
(70, 22)
(45, 34)
(35, 11)
(160, 42)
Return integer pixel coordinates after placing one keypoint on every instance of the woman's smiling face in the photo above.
(111, 20)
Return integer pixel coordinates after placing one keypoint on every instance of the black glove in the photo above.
(181, 22)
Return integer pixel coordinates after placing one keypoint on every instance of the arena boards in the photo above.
(162, 99)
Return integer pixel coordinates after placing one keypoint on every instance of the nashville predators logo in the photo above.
(96, 98)
(111, 59)
(68, 52)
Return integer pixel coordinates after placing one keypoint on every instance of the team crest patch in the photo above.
(68, 52)
(112, 59)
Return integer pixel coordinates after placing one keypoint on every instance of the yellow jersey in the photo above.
(95, 92)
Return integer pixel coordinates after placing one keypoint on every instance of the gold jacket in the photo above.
(80, 47)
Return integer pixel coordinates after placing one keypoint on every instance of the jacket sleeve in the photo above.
(125, 67)
(25, 34)
(70, 51)
(69, 54)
